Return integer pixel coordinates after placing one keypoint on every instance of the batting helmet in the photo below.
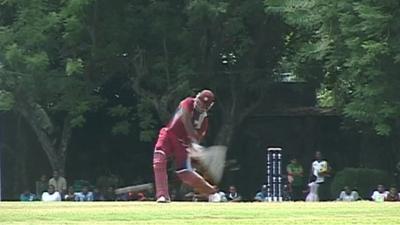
(204, 100)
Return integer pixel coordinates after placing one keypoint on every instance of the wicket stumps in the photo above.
(274, 174)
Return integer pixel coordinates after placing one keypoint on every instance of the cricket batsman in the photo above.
(188, 126)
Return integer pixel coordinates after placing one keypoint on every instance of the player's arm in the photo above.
(329, 168)
(203, 129)
(187, 123)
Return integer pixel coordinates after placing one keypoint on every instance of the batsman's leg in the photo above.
(194, 180)
(160, 174)
(186, 173)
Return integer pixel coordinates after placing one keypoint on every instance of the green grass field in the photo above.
(199, 213)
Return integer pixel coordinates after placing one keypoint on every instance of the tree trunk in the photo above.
(55, 148)
(225, 134)
(20, 159)
(234, 112)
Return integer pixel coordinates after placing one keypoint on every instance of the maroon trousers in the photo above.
(168, 145)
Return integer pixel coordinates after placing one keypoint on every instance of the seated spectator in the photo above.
(218, 196)
(190, 196)
(51, 195)
(196, 197)
(233, 195)
(131, 196)
(140, 196)
(122, 197)
(70, 195)
(109, 194)
(58, 182)
(41, 185)
(97, 195)
(380, 194)
(393, 195)
(262, 196)
(85, 195)
(135, 196)
(173, 193)
(348, 195)
(27, 196)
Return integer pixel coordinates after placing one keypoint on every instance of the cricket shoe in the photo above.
(163, 199)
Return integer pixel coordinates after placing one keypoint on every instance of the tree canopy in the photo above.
(351, 48)
(57, 57)
(44, 69)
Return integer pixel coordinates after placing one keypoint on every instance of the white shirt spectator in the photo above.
(379, 196)
(46, 197)
(59, 182)
(217, 197)
(319, 166)
(353, 196)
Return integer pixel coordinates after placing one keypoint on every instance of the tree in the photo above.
(175, 48)
(57, 55)
(43, 53)
(237, 47)
(352, 47)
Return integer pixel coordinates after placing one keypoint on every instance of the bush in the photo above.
(363, 179)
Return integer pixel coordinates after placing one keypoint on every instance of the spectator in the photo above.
(59, 182)
(122, 197)
(348, 195)
(320, 169)
(109, 194)
(190, 196)
(51, 195)
(70, 195)
(41, 185)
(135, 196)
(85, 195)
(140, 196)
(286, 195)
(196, 197)
(379, 194)
(393, 195)
(233, 195)
(218, 196)
(295, 179)
(174, 193)
(97, 195)
(262, 196)
(27, 196)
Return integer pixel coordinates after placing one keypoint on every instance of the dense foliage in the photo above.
(351, 49)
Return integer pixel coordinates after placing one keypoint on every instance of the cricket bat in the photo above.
(209, 160)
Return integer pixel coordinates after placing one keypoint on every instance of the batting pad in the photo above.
(194, 180)
(211, 160)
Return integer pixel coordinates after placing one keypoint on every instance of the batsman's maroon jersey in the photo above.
(173, 138)
(199, 121)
